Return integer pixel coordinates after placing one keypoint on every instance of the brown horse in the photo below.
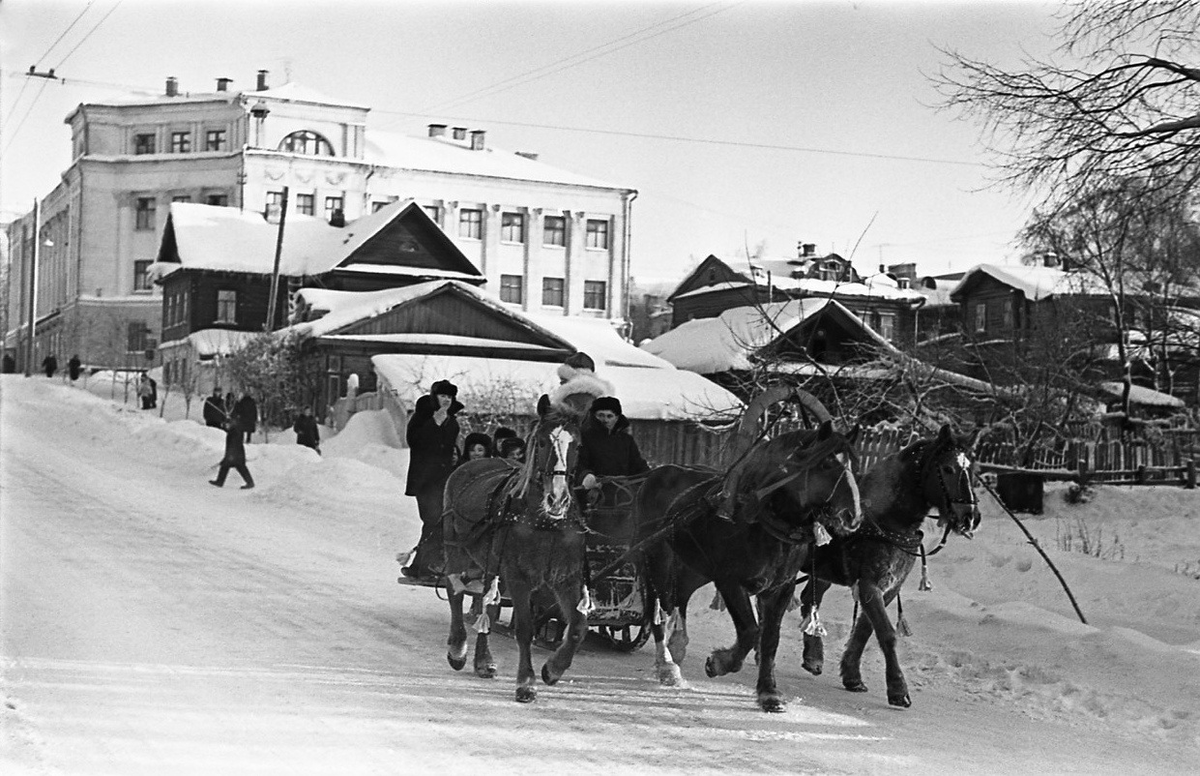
(897, 494)
(523, 527)
(789, 491)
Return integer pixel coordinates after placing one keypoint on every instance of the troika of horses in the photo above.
(780, 511)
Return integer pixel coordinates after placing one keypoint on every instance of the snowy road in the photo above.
(153, 624)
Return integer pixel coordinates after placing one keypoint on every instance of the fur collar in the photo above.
(583, 387)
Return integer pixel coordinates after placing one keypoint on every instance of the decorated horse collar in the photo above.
(902, 539)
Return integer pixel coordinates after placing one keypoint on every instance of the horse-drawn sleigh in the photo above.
(628, 566)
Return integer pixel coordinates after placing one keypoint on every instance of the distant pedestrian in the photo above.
(235, 456)
(10, 364)
(74, 367)
(214, 409)
(307, 433)
(246, 411)
(50, 365)
(153, 391)
(352, 385)
(144, 391)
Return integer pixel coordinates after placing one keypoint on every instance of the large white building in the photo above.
(547, 240)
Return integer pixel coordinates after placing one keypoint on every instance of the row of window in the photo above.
(181, 142)
(146, 208)
(595, 296)
(512, 228)
(306, 204)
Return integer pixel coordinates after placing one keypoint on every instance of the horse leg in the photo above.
(687, 583)
(885, 634)
(456, 642)
(741, 611)
(485, 665)
(666, 670)
(852, 655)
(568, 603)
(814, 646)
(875, 619)
(772, 604)
(519, 592)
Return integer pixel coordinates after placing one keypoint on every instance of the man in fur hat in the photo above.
(578, 384)
(432, 436)
(607, 449)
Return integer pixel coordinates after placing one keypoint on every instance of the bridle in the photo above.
(794, 468)
(928, 460)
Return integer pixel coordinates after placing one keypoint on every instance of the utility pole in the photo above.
(270, 324)
(32, 293)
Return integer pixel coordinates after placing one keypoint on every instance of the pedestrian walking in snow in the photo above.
(246, 411)
(74, 367)
(307, 433)
(153, 392)
(235, 456)
(50, 365)
(432, 436)
(10, 364)
(214, 409)
(144, 391)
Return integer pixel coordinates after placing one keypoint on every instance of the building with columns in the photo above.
(546, 239)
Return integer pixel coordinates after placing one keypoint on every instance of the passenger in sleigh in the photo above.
(607, 449)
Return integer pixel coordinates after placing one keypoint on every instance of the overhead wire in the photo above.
(13, 135)
(62, 35)
(89, 33)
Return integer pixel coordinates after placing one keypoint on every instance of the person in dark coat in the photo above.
(214, 409)
(10, 364)
(607, 449)
(235, 455)
(50, 365)
(306, 430)
(432, 436)
(144, 390)
(74, 367)
(246, 411)
(153, 392)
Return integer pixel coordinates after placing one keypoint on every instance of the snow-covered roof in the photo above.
(645, 393)
(597, 338)
(447, 156)
(879, 286)
(1146, 397)
(1036, 282)
(207, 343)
(232, 240)
(729, 341)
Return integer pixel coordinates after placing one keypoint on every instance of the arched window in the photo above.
(306, 142)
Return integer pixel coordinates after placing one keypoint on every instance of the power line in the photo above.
(28, 111)
(89, 33)
(64, 32)
(516, 80)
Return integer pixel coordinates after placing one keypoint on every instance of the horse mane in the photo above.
(560, 414)
(801, 446)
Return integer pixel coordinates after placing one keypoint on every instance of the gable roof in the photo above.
(207, 237)
(730, 341)
(710, 274)
(1035, 282)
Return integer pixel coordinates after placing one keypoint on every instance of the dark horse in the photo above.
(524, 527)
(788, 491)
(897, 494)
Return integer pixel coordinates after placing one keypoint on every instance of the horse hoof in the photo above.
(549, 678)
(813, 668)
(710, 668)
(487, 671)
(854, 686)
(526, 694)
(900, 700)
(456, 663)
(670, 676)
(772, 704)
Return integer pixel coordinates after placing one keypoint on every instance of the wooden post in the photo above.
(1141, 474)
(1190, 481)
(1083, 472)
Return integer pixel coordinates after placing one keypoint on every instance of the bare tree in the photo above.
(1127, 105)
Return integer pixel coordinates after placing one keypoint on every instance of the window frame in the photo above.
(554, 236)
(145, 214)
(141, 269)
(219, 135)
(224, 200)
(590, 290)
(472, 218)
(594, 234)
(306, 204)
(298, 143)
(509, 283)
(510, 222)
(226, 305)
(555, 287)
(181, 142)
(140, 145)
(980, 317)
(330, 206)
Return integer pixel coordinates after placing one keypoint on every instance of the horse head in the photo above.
(812, 472)
(551, 459)
(945, 472)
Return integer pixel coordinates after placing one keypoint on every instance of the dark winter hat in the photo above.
(445, 388)
(476, 438)
(581, 360)
(509, 444)
(504, 432)
(610, 403)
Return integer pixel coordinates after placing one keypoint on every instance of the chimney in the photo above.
(530, 155)
(477, 139)
(223, 84)
(810, 249)
(460, 133)
(172, 87)
(437, 130)
(1050, 259)
(337, 218)
(262, 81)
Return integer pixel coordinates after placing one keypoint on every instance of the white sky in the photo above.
(825, 76)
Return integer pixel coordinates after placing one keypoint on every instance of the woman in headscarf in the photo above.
(432, 436)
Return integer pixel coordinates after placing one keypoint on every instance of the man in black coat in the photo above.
(235, 456)
(432, 436)
(214, 409)
(307, 433)
(607, 449)
(74, 367)
(246, 411)
(50, 365)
